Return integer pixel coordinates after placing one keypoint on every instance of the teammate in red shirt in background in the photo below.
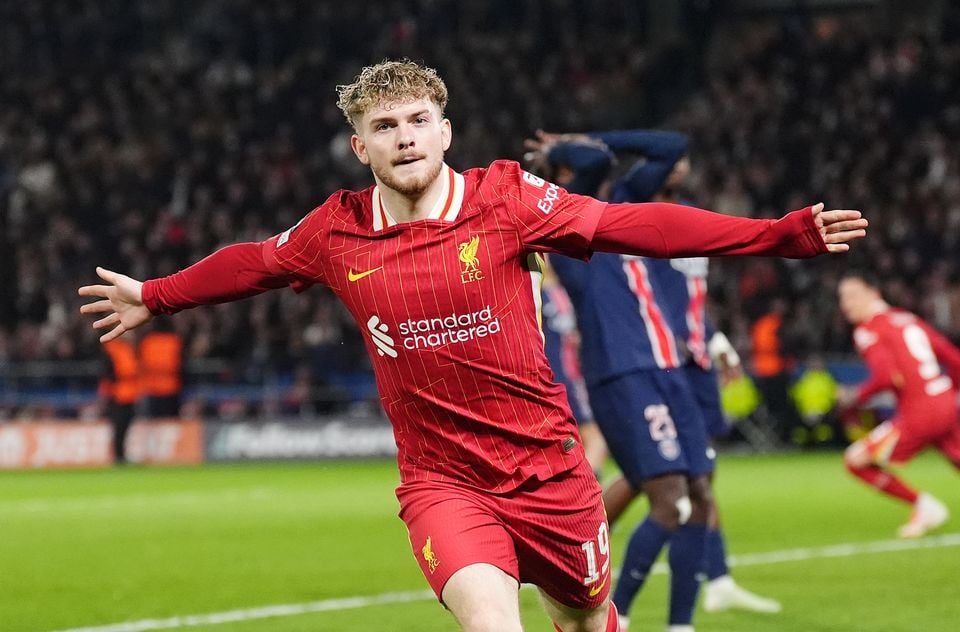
(439, 268)
(904, 355)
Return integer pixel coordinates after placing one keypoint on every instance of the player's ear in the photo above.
(360, 149)
(446, 133)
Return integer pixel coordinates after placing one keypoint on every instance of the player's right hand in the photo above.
(122, 302)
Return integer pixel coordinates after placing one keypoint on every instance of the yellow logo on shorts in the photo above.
(593, 592)
(429, 556)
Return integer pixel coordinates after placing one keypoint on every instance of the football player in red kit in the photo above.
(440, 271)
(907, 356)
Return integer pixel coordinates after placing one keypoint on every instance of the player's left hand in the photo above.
(839, 227)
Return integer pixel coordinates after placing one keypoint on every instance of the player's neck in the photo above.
(403, 207)
(877, 307)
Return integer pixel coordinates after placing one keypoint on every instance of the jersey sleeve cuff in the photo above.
(148, 294)
(590, 219)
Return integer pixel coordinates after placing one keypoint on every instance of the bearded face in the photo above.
(404, 144)
(410, 175)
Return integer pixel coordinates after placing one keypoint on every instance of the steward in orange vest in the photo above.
(120, 388)
(772, 361)
(766, 355)
(161, 366)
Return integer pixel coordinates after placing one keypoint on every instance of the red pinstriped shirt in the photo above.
(905, 354)
(450, 311)
(449, 305)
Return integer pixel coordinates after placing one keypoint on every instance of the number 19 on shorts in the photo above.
(598, 550)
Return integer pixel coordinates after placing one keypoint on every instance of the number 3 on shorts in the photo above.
(590, 548)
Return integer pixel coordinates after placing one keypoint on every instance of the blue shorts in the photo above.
(652, 425)
(707, 393)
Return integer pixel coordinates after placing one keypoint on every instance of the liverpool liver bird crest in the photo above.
(468, 253)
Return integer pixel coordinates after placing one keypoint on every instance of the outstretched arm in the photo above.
(672, 230)
(232, 273)
(550, 219)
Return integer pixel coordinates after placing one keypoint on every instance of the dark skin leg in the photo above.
(664, 492)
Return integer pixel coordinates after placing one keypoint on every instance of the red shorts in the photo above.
(550, 533)
(899, 440)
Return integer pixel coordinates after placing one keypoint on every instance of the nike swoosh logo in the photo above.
(356, 276)
(596, 589)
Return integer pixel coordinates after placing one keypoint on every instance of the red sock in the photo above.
(613, 623)
(885, 481)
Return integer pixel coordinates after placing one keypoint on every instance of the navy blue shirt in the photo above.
(622, 326)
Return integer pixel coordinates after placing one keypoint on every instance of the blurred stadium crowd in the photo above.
(142, 135)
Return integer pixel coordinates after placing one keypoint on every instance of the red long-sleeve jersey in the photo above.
(450, 304)
(905, 355)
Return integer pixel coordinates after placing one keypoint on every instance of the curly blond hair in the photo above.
(390, 82)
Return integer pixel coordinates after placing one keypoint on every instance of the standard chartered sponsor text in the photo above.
(436, 332)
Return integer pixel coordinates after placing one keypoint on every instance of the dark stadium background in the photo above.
(143, 135)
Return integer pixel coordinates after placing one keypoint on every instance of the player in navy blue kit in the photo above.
(682, 286)
(631, 365)
(676, 352)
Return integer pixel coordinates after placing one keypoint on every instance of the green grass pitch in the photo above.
(152, 546)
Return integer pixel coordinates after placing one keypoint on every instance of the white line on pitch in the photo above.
(347, 603)
(127, 501)
(836, 550)
(264, 612)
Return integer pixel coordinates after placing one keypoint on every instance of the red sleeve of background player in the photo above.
(547, 217)
(879, 363)
(947, 353)
(671, 230)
